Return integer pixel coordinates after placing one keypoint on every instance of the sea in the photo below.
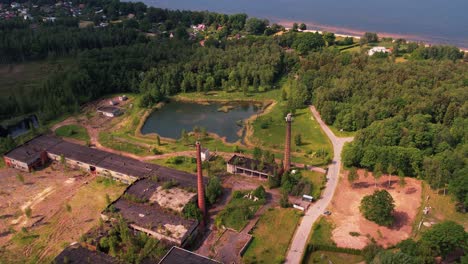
(428, 21)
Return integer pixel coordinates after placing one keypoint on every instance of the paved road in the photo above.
(299, 241)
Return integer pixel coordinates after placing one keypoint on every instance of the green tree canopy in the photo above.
(378, 207)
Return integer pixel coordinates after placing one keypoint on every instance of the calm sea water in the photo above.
(432, 21)
(174, 117)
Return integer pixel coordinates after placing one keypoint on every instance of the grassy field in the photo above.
(238, 211)
(108, 140)
(24, 77)
(326, 257)
(46, 239)
(317, 180)
(322, 232)
(189, 164)
(269, 132)
(127, 135)
(272, 235)
(223, 95)
(73, 131)
(442, 208)
(339, 133)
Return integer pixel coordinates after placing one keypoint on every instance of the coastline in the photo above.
(429, 37)
(355, 33)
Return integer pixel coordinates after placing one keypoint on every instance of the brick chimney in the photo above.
(201, 187)
(287, 144)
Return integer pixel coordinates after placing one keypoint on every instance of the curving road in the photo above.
(300, 239)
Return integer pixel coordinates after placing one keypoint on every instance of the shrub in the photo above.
(134, 198)
(213, 189)
(260, 192)
(355, 234)
(273, 181)
(191, 211)
(176, 160)
(370, 251)
(284, 201)
(156, 151)
(169, 184)
(28, 212)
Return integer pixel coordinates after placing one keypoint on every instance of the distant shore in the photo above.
(357, 33)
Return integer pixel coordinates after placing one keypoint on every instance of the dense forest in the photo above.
(411, 117)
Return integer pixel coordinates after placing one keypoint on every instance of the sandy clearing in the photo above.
(347, 218)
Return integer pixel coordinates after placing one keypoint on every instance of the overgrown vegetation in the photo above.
(272, 235)
(73, 131)
(128, 246)
(438, 241)
(240, 209)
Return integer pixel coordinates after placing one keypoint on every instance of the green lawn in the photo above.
(272, 235)
(189, 164)
(108, 140)
(339, 133)
(238, 211)
(317, 179)
(322, 232)
(269, 132)
(180, 163)
(326, 257)
(73, 131)
(442, 209)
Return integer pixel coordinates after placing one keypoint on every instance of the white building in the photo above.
(205, 154)
(378, 49)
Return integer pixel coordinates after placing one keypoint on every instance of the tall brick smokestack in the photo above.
(287, 144)
(201, 187)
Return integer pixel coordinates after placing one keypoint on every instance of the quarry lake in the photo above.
(221, 119)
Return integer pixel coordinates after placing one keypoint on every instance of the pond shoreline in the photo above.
(264, 105)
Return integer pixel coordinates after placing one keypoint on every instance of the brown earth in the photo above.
(51, 225)
(347, 217)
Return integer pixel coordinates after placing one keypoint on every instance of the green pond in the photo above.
(173, 118)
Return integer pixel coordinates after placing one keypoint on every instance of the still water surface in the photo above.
(433, 21)
(174, 117)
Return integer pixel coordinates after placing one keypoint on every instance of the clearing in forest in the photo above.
(348, 219)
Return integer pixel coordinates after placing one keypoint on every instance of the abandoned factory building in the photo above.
(154, 201)
(250, 167)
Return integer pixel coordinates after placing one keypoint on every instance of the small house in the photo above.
(378, 49)
(123, 98)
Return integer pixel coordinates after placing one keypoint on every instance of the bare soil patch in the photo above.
(64, 205)
(347, 217)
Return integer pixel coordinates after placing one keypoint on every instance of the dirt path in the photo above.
(300, 239)
(94, 140)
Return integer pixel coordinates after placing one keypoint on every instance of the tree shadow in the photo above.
(390, 186)
(410, 190)
(5, 216)
(400, 220)
(5, 233)
(361, 185)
